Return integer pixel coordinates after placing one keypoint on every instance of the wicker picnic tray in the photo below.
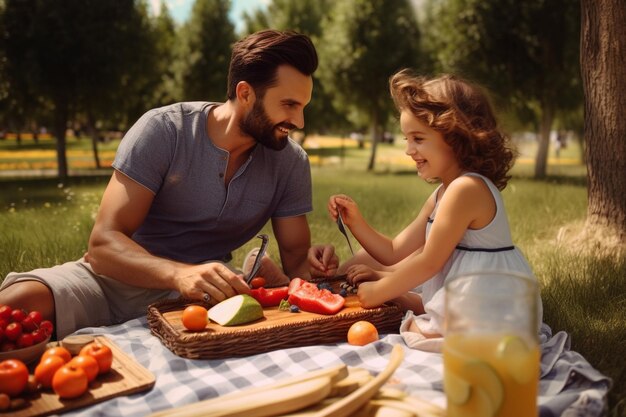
(277, 330)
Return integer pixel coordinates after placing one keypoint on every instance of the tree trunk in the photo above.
(541, 159)
(93, 133)
(603, 65)
(374, 132)
(60, 126)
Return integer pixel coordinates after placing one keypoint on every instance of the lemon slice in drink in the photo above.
(457, 389)
(516, 355)
(485, 380)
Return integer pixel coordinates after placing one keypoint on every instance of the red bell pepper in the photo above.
(269, 297)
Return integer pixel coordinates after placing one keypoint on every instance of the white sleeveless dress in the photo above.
(488, 249)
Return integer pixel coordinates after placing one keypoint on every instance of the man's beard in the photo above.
(258, 125)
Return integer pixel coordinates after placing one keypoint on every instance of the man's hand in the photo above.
(323, 261)
(214, 279)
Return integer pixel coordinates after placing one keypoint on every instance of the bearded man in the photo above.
(193, 182)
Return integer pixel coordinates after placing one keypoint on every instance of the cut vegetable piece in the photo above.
(239, 309)
(457, 389)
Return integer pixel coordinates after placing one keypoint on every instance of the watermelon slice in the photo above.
(312, 299)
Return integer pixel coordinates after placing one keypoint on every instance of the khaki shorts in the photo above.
(83, 298)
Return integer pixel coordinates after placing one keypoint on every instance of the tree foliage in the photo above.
(206, 41)
(304, 16)
(75, 55)
(527, 52)
(364, 43)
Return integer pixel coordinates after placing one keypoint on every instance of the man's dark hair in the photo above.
(256, 58)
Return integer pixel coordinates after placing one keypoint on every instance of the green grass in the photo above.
(43, 223)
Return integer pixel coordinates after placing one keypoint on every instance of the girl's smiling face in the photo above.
(433, 157)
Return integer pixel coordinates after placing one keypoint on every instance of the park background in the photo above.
(75, 76)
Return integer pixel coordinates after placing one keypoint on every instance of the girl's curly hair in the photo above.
(462, 113)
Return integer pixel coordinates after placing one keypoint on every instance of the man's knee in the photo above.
(29, 295)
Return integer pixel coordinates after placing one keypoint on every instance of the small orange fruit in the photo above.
(59, 351)
(195, 318)
(88, 363)
(361, 333)
(46, 369)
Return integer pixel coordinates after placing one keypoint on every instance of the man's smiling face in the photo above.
(280, 110)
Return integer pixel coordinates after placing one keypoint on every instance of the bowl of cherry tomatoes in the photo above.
(23, 335)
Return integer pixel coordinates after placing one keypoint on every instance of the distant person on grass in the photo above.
(452, 135)
(193, 182)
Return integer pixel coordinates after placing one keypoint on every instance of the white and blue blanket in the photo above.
(569, 385)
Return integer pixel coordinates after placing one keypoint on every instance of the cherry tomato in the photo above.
(101, 353)
(70, 381)
(89, 364)
(47, 327)
(60, 351)
(46, 369)
(28, 325)
(18, 315)
(195, 318)
(257, 282)
(39, 336)
(36, 317)
(13, 377)
(13, 331)
(25, 340)
(5, 312)
(7, 346)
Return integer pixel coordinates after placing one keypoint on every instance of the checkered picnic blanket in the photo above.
(569, 386)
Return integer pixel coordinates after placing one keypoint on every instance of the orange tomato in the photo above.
(101, 353)
(361, 333)
(46, 368)
(70, 381)
(195, 318)
(60, 351)
(257, 282)
(89, 364)
(13, 377)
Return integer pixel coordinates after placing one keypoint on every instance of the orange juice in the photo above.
(490, 375)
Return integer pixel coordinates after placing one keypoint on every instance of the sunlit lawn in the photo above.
(44, 222)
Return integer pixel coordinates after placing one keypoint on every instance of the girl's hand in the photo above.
(348, 207)
(367, 295)
(357, 274)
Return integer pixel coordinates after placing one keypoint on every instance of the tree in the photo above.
(526, 52)
(364, 43)
(207, 40)
(73, 54)
(118, 62)
(603, 48)
(304, 16)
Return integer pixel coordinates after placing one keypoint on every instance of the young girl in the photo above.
(452, 135)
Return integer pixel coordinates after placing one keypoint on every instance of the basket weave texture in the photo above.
(277, 330)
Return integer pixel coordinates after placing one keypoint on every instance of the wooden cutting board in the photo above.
(126, 377)
(276, 330)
